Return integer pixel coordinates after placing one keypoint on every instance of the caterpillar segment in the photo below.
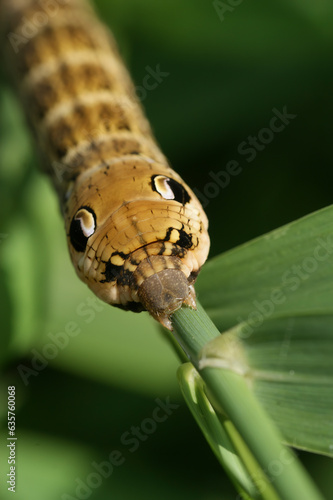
(137, 234)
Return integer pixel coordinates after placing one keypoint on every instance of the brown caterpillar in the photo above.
(137, 234)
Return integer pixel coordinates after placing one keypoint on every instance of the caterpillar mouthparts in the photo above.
(164, 292)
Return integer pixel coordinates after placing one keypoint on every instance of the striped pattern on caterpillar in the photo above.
(137, 234)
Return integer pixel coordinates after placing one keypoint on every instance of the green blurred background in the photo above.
(227, 71)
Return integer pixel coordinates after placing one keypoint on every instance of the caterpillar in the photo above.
(137, 235)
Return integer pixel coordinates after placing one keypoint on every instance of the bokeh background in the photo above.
(228, 67)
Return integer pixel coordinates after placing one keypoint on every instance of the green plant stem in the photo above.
(230, 394)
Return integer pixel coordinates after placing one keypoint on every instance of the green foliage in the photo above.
(230, 416)
(286, 272)
(279, 289)
(224, 80)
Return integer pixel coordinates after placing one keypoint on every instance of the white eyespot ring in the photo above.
(83, 225)
(87, 221)
(161, 185)
(170, 189)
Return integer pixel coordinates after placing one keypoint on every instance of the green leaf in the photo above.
(294, 378)
(230, 395)
(220, 434)
(286, 272)
(279, 290)
(288, 365)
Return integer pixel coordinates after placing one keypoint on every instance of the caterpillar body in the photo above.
(137, 234)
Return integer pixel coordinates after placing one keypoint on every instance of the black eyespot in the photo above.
(83, 225)
(170, 189)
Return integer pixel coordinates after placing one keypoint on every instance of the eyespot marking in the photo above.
(170, 189)
(83, 225)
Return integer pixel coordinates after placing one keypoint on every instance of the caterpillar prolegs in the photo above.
(137, 234)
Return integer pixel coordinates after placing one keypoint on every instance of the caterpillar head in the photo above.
(137, 236)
